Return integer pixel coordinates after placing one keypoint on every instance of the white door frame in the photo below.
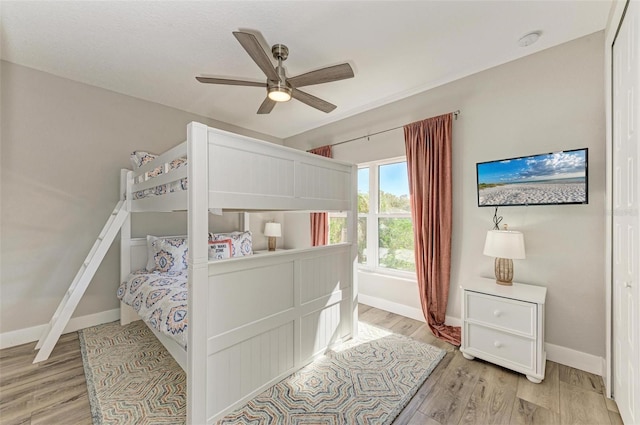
(615, 16)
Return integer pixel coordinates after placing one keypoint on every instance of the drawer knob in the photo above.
(497, 344)
(497, 313)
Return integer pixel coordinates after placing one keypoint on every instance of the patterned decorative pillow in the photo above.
(151, 262)
(140, 158)
(220, 249)
(168, 254)
(241, 242)
(177, 163)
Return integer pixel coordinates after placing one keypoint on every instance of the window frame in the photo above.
(373, 216)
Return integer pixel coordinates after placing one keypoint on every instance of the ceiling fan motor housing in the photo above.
(279, 90)
(280, 52)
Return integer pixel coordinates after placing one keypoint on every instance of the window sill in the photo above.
(405, 276)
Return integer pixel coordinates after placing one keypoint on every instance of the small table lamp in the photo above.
(272, 231)
(504, 245)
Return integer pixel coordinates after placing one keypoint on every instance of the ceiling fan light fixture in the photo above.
(279, 93)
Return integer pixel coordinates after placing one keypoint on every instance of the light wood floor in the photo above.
(50, 393)
(461, 391)
(458, 391)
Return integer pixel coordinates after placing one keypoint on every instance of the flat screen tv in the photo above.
(546, 179)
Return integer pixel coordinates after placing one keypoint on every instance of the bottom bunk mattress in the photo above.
(160, 299)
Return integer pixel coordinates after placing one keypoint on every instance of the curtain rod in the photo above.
(455, 115)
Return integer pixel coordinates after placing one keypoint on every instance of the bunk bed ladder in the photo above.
(88, 269)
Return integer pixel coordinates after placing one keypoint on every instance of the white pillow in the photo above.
(140, 158)
(241, 245)
(241, 242)
(170, 254)
(151, 251)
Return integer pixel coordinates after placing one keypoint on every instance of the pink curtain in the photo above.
(320, 221)
(428, 146)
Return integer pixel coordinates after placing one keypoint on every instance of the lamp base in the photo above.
(272, 243)
(504, 271)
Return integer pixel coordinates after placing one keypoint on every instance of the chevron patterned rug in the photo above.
(364, 381)
(132, 379)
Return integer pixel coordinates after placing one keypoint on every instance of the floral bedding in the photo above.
(140, 158)
(160, 299)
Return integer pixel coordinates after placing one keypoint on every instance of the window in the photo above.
(338, 220)
(337, 228)
(385, 232)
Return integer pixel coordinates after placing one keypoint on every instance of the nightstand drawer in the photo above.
(502, 347)
(500, 312)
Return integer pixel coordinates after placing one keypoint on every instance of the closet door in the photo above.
(626, 218)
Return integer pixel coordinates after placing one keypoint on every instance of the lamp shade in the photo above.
(272, 230)
(504, 244)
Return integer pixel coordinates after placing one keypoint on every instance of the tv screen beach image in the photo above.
(546, 179)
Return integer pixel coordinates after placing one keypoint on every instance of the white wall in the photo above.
(257, 222)
(63, 144)
(545, 102)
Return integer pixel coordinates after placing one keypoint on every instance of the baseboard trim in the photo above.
(555, 353)
(24, 336)
(576, 359)
(402, 309)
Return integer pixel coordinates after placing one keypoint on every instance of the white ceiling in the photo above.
(153, 50)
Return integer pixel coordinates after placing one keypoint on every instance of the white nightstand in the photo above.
(504, 325)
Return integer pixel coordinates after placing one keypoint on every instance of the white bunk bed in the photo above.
(256, 319)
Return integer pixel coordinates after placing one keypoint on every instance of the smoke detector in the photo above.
(529, 39)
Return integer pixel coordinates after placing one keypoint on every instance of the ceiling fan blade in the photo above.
(324, 75)
(257, 53)
(313, 101)
(267, 106)
(229, 82)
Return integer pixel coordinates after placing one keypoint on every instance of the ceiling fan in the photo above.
(281, 88)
